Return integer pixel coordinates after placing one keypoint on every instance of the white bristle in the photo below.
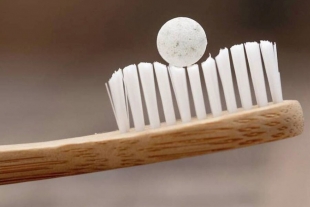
(211, 80)
(257, 74)
(223, 63)
(270, 61)
(278, 80)
(195, 83)
(117, 98)
(125, 93)
(131, 80)
(276, 55)
(112, 104)
(239, 61)
(179, 83)
(165, 92)
(148, 85)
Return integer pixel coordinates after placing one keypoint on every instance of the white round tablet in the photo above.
(181, 41)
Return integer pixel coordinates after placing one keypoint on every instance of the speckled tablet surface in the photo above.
(181, 41)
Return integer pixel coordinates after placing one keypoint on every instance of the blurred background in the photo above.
(55, 57)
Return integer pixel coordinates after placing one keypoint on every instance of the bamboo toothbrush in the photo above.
(206, 133)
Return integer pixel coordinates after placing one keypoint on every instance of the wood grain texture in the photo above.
(36, 161)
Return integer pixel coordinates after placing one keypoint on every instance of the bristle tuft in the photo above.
(223, 64)
(195, 83)
(131, 80)
(211, 80)
(271, 66)
(165, 92)
(179, 83)
(148, 84)
(238, 57)
(257, 74)
(117, 98)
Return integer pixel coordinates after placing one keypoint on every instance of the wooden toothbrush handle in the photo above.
(28, 162)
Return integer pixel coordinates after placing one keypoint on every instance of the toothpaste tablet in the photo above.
(181, 41)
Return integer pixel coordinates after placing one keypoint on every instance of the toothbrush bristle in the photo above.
(148, 85)
(179, 84)
(239, 62)
(165, 92)
(211, 80)
(118, 100)
(223, 65)
(270, 62)
(195, 83)
(124, 86)
(257, 74)
(131, 81)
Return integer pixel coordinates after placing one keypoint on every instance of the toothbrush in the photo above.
(191, 135)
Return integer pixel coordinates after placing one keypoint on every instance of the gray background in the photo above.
(55, 57)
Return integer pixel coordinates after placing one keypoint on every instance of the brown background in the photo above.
(55, 57)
